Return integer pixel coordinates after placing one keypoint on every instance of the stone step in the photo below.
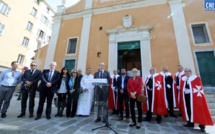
(212, 112)
(211, 100)
(213, 118)
(211, 105)
(210, 96)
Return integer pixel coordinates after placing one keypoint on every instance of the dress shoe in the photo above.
(48, 117)
(133, 124)
(72, 116)
(31, 116)
(138, 126)
(3, 115)
(172, 115)
(57, 115)
(203, 130)
(159, 121)
(21, 115)
(97, 120)
(38, 117)
(127, 120)
(189, 125)
(120, 119)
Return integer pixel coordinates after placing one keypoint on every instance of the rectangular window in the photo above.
(44, 20)
(20, 59)
(2, 26)
(25, 42)
(4, 9)
(41, 34)
(71, 49)
(29, 26)
(34, 12)
(200, 33)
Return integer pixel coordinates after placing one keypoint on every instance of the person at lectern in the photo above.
(102, 93)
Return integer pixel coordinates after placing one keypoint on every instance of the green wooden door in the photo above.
(206, 64)
(70, 64)
(129, 55)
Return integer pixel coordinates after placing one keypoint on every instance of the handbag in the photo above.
(141, 98)
(80, 90)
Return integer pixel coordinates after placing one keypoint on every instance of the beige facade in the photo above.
(169, 32)
(19, 37)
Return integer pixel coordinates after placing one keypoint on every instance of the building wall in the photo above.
(40, 55)
(198, 15)
(15, 30)
(164, 50)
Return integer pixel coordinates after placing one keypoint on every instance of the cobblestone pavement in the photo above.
(84, 125)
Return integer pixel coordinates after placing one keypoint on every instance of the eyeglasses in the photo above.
(33, 65)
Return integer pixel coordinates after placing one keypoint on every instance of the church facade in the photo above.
(134, 33)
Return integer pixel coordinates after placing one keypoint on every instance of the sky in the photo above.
(55, 3)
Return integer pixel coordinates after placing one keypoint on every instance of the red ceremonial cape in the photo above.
(158, 97)
(199, 109)
(110, 96)
(174, 90)
(178, 91)
(111, 99)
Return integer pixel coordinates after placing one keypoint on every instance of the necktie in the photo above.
(50, 76)
(114, 81)
(100, 74)
(32, 72)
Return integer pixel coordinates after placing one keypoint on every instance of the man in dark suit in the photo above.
(47, 88)
(80, 75)
(29, 86)
(102, 93)
(123, 95)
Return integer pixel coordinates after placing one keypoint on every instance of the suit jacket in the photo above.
(44, 80)
(105, 75)
(119, 83)
(76, 86)
(34, 78)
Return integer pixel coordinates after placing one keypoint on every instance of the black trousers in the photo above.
(62, 97)
(102, 99)
(169, 96)
(139, 108)
(187, 100)
(72, 100)
(45, 94)
(123, 97)
(149, 113)
(25, 97)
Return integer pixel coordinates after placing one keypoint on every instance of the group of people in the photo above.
(77, 93)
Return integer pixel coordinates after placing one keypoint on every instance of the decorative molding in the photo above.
(141, 34)
(113, 8)
(208, 33)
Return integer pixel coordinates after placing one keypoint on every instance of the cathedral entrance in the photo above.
(129, 56)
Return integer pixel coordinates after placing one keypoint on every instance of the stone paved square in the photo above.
(84, 125)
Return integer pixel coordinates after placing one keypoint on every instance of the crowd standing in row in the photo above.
(164, 93)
